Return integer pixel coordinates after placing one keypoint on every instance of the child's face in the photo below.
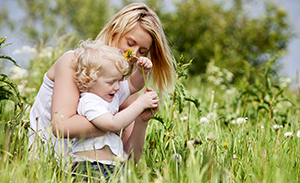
(107, 84)
(138, 39)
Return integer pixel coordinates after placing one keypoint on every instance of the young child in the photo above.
(100, 78)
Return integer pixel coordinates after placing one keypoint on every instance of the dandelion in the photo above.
(277, 127)
(177, 157)
(204, 120)
(288, 134)
(210, 136)
(238, 121)
(197, 141)
(298, 134)
(128, 56)
(225, 144)
(190, 144)
(184, 118)
(212, 115)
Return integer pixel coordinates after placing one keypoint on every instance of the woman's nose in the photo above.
(135, 51)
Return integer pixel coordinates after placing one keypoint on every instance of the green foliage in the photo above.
(184, 149)
(221, 146)
(2, 41)
(8, 89)
(206, 30)
(84, 19)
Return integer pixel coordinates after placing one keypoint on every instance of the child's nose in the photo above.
(117, 87)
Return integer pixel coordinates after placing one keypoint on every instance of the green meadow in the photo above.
(207, 129)
(229, 118)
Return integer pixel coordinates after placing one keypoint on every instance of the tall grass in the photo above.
(206, 131)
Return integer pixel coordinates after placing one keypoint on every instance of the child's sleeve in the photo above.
(91, 106)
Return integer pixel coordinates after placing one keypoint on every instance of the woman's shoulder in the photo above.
(67, 56)
(62, 63)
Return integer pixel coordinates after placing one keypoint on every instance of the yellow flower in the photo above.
(129, 54)
(170, 133)
(225, 144)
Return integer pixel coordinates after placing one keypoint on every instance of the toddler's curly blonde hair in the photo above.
(88, 64)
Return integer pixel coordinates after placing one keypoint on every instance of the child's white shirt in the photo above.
(92, 106)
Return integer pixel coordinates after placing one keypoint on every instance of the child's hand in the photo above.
(144, 62)
(149, 113)
(148, 100)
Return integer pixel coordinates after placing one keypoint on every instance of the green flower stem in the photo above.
(146, 85)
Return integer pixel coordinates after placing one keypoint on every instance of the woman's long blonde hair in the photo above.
(126, 20)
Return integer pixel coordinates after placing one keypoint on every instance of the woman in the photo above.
(136, 27)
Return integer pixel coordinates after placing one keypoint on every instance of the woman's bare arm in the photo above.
(65, 121)
(134, 137)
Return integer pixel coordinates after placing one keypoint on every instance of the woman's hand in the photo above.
(144, 62)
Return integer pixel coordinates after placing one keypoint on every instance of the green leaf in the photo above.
(195, 101)
(9, 58)
(9, 90)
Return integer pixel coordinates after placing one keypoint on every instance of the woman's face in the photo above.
(139, 40)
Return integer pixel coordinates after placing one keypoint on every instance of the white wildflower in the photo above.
(277, 127)
(212, 69)
(231, 91)
(262, 128)
(240, 120)
(177, 157)
(284, 82)
(210, 136)
(18, 73)
(228, 75)
(220, 74)
(298, 134)
(204, 120)
(211, 78)
(25, 50)
(288, 134)
(215, 105)
(223, 87)
(46, 52)
(267, 98)
(184, 118)
(218, 81)
(190, 144)
(212, 115)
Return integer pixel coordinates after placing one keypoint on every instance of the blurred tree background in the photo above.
(223, 32)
